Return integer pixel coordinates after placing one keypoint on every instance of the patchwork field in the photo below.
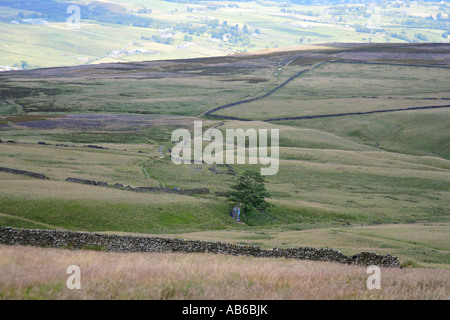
(36, 33)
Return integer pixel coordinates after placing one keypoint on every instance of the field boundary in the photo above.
(105, 184)
(139, 189)
(229, 105)
(24, 173)
(355, 113)
(131, 243)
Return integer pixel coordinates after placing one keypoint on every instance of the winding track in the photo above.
(228, 105)
(47, 226)
(162, 156)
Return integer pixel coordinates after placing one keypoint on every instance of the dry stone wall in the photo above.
(125, 243)
(139, 189)
(24, 173)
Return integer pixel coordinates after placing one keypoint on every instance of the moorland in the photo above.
(364, 149)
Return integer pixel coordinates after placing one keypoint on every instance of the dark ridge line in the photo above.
(355, 113)
(228, 105)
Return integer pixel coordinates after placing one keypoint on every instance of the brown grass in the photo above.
(30, 273)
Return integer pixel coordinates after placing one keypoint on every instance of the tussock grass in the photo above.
(38, 273)
(425, 245)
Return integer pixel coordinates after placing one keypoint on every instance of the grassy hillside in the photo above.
(323, 179)
(334, 88)
(354, 170)
(422, 133)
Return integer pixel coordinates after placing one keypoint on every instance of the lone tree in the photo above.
(250, 191)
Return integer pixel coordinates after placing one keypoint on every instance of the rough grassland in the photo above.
(377, 182)
(38, 273)
(334, 88)
(417, 245)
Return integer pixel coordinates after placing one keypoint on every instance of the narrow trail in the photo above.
(162, 155)
(229, 105)
(31, 221)
(144, 171)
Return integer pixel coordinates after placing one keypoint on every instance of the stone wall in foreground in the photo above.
(126, 243)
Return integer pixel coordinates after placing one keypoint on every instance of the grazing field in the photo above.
(421, 133)
(38, 273)
(336, 88)
(323, 180)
